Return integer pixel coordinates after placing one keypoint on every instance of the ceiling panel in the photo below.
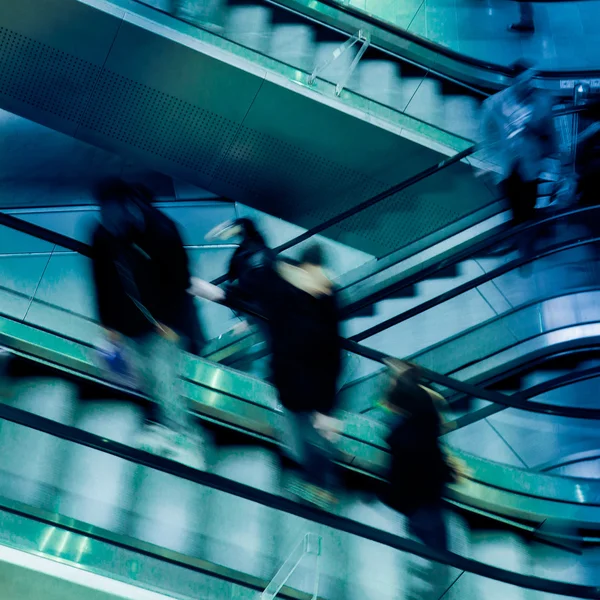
(179, 110)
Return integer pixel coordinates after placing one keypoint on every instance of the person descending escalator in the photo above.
(300, 304)
(518, 126)
(247, 263)
(141, 277)
(588, 161)
(419, 469)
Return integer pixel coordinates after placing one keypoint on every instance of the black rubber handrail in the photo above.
(527, 394)
(447, 162)
(533, 362)
(444, 50)
(455, 258)
(273, 501)
(349, 345)
(414, 179)
(76, 246)
(501, 317)
(466, 287)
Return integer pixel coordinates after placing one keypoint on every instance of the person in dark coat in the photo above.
(418, 470)
(247, 264)
(140, 267)
(301, 308)
(141, 277)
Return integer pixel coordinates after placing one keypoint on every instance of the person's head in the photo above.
(313, 256)
(523, 83)
(119, 209)
(404, 383)
(242, 227)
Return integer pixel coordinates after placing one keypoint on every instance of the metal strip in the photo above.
(360, 445)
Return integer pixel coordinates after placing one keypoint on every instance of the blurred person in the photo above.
(300, 305)
(419, 469)
(247, 263)
(517, 123)
(141, 277)
(189, 328)
(525, 22)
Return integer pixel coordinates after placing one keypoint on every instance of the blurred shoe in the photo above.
(522, 27)
(153, 438)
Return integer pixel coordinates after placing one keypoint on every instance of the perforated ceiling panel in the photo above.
(160, 124)
(43, 77)
(187, 114)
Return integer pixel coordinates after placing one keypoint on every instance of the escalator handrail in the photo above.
(444, 50)
(536, 390)
(343, 31)
(414, 179)
(468, 286)
(366, 204)
(454, 258)
(80, 247)
(273, 501)
(348, 344)
(500, 317)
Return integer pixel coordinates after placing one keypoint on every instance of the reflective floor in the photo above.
(566, 33)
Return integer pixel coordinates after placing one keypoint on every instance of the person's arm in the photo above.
(205, 289)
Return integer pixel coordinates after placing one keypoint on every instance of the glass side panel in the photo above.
(294, 54)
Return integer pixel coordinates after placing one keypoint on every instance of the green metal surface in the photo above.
(121, 557)
(247, 403)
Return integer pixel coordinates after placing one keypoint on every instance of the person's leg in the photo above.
(292, 438)
(194, 339)
(317, 464)
(427, 524)
(141, 350)
(428, 579)
(526, 14)
(512, 191)
(528, 198)
(165, 363)
(525, 23)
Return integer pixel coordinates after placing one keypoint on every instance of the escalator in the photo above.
(88, 486)
(261, 136)
(87, 500)
(75, 357)
(457, 347)
(294, 157)
(477, 290)
(246, 406)
(487, 303)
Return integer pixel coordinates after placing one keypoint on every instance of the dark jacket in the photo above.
(418, 471)
(246, 269)
(304, 336)
(150, 267)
